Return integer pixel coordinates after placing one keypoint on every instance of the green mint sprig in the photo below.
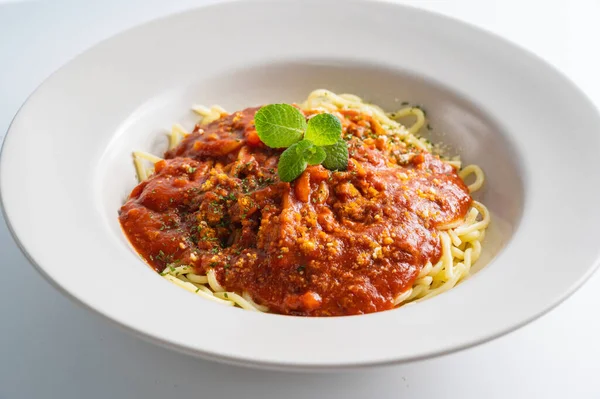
(314, 143)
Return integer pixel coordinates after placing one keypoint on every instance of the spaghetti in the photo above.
(459, 240)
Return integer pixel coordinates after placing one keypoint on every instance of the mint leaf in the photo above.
(282, 125)
(315, 155)
(323, 129)
(279, 125)
(336, 156)
(292, 161)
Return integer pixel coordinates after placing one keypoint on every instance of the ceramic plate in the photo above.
(66, 169)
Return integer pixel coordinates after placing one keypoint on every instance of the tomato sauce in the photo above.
(327, 244)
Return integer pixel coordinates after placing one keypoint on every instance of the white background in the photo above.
(52, 348)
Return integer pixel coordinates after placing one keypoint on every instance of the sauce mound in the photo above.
(327, 244)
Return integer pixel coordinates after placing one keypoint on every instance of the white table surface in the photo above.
(51, 347)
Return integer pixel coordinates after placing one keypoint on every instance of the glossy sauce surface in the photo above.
(327, 244)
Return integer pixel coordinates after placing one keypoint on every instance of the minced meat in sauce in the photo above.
(327, 244)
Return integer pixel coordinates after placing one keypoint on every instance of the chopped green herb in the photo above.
(223, 223)
(230, 197)
(267, 181)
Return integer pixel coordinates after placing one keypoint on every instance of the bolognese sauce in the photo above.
(330, 243)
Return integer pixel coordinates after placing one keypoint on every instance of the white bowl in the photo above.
(66, 169)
